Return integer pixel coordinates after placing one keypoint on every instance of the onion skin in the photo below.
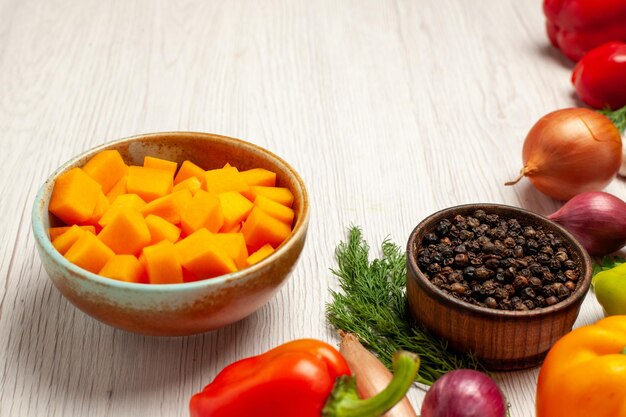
(570, 151)
(596, 219)
(464, 393)
(371, 375)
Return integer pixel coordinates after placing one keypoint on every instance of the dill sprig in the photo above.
(372, 303)
(618, 117)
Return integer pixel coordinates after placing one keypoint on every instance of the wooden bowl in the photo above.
(500, 339)
(187, 308)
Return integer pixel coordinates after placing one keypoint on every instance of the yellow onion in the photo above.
(571, 151)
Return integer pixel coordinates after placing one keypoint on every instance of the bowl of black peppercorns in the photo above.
(498, 281)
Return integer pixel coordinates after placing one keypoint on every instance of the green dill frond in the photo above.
(372, 303)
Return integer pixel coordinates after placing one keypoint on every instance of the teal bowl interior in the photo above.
(187, 308)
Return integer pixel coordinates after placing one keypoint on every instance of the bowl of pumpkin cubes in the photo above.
(171, 234)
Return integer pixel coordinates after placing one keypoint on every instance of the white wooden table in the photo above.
(390, 110)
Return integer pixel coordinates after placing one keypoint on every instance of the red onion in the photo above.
(464, 393)
(597, 219)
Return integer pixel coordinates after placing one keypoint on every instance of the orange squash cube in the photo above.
(235, 208)
(170, 207)
(124, 201)
(162, 164)
(148, 183)
(89, 253)
(161, 229)
(199, 255)
(127, 233)
(118, 189)
(234, 245)
(281, 195)
(262, 253)
(261, 228)
(188, 170)
(224, 179)
(162, 264)
(235, 229)
(123, 268)
(192, 184)
(204, 210)
(259, 176)
(101, 207)
(274, 209)
(74, 196)
(65, 241)
(107, 168)
(55, 232)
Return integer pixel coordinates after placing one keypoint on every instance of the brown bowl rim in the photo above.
(441, 296)
(42, 238)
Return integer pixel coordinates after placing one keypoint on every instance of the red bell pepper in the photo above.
(600, 76)
(297, 379)
(577, 26)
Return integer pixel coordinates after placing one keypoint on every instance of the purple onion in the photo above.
(596, 219)
(464, 393)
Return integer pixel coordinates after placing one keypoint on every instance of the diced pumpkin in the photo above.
(74, 196)
(101, 207)
(262, 253)
(118, 189)
(107, 168)
(261, 228)
(162, 264)
(204, 210)
(170, 207)
(234, 245)
(127, 233)
(148, 183)
(89, 253)
(235, 208)
(162, 164)
(235, 229)
(123, 268)
(55, 232)
(65, 241)
(192, 184)
(199, 255)
(161, 229)
(274, 209)
(224, 179)
(281, 195)
(259, 176)
(188, 170)
(124, 201)
(189, 276)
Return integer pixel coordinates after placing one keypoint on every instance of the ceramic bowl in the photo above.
(187, 308)
(501, 340)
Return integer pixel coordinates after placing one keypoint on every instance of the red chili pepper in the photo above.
(577, 26)
(297, 379)
(600, 76)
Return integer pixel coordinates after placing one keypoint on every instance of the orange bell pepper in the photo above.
(584, 373)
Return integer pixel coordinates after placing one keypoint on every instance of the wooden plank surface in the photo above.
(390, 110)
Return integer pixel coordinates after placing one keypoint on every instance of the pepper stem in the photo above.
(623, 352)
(618, 117)
(344, 399)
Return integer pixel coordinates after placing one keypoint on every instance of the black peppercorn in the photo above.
(491, 302)
(520, 282)
(570, 285)
(461, 260)
(551, 300)
(498, 263)
(569, 264)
